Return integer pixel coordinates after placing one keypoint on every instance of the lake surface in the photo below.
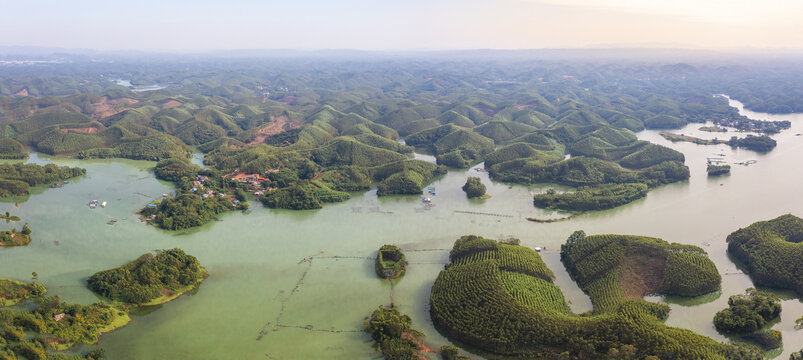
(308, 274)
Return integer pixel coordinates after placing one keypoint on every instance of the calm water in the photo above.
(256, 259)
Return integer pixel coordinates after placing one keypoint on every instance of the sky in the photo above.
(201, 25)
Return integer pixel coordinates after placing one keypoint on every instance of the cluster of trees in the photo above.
(149, 277)
(748, 313)
(390, 262)
(12, 149)
(591, 198)
(12, 291)
(716, 170)
(185, 210)
(50, 324)
(474, 187)
(475, 302)
(293, 197)
(771, 251)
(175, 170)
(761, 143)
(393, 333)
(16, 179)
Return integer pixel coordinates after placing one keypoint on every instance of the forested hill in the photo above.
(315, 129)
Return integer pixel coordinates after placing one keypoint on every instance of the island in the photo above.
(390, 262)
(747, 314)
(500, 299)
(150, 280)
(761, 143)
(587, 198)
(771, 252)
(716, 170)
(8, 217)
(474, 188)
(16, 238)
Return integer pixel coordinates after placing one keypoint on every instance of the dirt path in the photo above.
(274, 127)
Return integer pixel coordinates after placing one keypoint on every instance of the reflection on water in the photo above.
(257, 267)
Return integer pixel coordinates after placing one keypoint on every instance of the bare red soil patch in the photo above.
(108, 107)
(421, 347)
(488, 111)
(641, 275)
(526, 106)
(277, 125)
(23, 92)
(171, 104)
(83, 130)
(287, 100)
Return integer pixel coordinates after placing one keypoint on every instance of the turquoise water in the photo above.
(256, 259)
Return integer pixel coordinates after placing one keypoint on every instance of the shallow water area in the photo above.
(299, 284)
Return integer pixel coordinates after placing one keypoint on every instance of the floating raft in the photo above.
(482, 213)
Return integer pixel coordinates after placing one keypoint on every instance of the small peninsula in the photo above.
(771, 251)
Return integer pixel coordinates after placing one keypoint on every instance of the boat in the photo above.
(538, 249)
(426, 200)
(93, 204)
(103, 204)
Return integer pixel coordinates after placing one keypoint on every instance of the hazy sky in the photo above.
(401, 24)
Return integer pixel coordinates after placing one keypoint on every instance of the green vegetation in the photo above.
(293, 197)
(394, 335)
(748, 313)
(16, 238)
(614, 268)
(771, 251)
(13, 292)
(8, 217)
(474, 188)
(175, 169)
(187, 210)
(767, 339)
(797, 355)
(452, 145)
(16, 179)
(150, 280)
(49, 324)
(57, 326)
(716, 170)
(591, 198)
(12, 149)
(761, 143)
(451, 352)
(390, 262)
(500, 298)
